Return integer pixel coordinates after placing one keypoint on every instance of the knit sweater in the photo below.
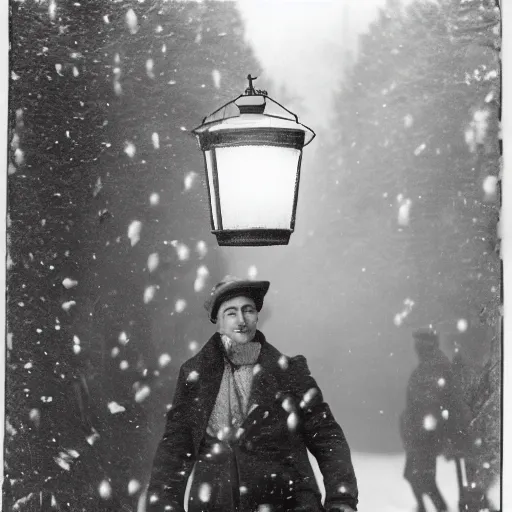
(232, 402)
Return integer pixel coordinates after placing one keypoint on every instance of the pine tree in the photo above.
(110, 250)
(413, 166)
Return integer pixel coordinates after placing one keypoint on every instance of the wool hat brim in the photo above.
(256, 290)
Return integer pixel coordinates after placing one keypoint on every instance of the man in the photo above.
(435, 420)
(243, 415)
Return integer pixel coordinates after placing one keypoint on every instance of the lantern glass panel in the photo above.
(257, 186)
(210, 169)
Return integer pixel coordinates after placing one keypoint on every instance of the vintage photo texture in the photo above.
(110, 255)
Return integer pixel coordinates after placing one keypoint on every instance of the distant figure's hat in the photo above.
(231, 287)
(427, 335)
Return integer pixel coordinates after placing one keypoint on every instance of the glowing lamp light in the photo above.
(252, 160)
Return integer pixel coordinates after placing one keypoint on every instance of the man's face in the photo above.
(238, 319)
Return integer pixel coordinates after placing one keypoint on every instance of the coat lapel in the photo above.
(210, 367)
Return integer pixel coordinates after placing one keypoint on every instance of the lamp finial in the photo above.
(250, 90)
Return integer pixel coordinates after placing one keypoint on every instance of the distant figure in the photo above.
(435, 420)
(243, 417)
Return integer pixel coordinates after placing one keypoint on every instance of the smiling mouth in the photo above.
(241, 331)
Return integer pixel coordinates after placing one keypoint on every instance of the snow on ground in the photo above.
(382, 487)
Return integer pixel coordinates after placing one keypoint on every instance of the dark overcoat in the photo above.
(267, 467)
(433, 392)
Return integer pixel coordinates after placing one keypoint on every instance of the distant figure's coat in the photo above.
(267, 467)
(436, 418)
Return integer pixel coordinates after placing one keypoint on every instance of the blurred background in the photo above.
(110, 255)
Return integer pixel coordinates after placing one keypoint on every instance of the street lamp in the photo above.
(252, 163)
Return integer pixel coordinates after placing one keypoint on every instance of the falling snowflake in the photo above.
(462, 325)
(193, 376)
(153, 261)
(216, 78)
(63, 463)
(441, 382)
(164, 360)
(132, 21)
(154, 199)
(202, 275)
(445, 414)
(118, 88)
(180, 305)
(205, 492)
(408, 121)
(292, 421)
(19, 156)
(93, 437)
(115, 408)
(183, 252)
(252, 273)
(201, 248)
(69, 283)
(133, 486)
(124, 365)
(403, 212)
(134, 230)
(189, 179)
(420, 149)
(155, 139)
(105, 489)
(66, 306)
(115, 352)
(429, 422)
(130, 149)
(193, 346)
(58, 68)
(123, 338)
(150, 64)
(400, 317)
(490, 186)
(35, 416)
(287, 404)
(97, 187)
(309, 395)
(142, 394)
(283, 362)
(52, 10)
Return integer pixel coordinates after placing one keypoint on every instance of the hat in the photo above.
(426, 334)
(231, 287)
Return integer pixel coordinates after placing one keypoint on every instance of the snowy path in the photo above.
(383, 489)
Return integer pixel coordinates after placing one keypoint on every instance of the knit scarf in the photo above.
(232, 402)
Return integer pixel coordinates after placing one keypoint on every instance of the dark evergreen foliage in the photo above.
(102, 99)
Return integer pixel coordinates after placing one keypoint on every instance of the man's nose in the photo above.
(240, 318)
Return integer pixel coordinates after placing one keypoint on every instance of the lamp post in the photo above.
(252, 162)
